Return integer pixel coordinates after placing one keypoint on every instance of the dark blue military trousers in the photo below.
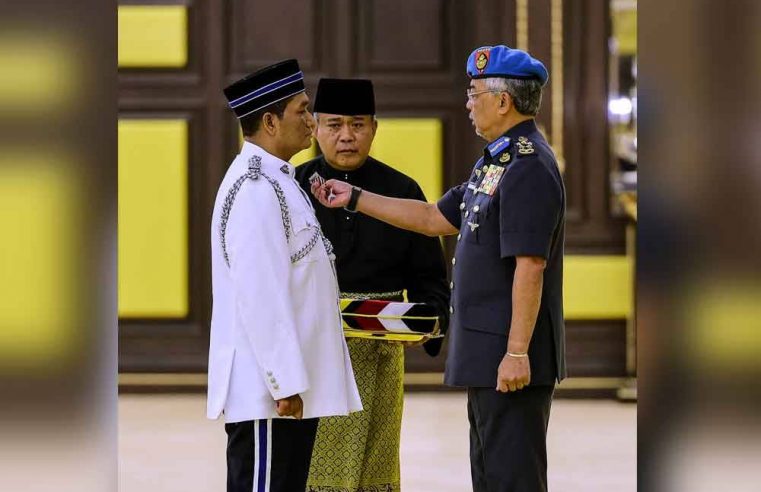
(269, 455)
(508, 439)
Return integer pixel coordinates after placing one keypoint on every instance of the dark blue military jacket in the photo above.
(512, 205)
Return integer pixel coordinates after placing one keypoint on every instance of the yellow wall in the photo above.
(597, 287)
(153, 253)
(414, 147)
(153, 36)
(39, 282)
(153, 218)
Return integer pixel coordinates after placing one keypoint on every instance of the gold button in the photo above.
(451, 285)
(462, 205)
(454, 260)
(476, 209)
(459, 236)
(466, 213)
(276, 387)
(451, 310)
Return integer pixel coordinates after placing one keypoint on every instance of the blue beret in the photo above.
(501, 61)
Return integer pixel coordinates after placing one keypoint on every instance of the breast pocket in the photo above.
(487, 318)
(306, 245)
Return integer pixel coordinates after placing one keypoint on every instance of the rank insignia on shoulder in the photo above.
(525, 146)
(505, 157)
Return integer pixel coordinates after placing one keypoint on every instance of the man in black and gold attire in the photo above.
(374, 260)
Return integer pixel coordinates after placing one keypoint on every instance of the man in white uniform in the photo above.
(277, 359)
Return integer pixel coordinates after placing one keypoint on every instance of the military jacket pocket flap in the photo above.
(299, 222)
(306, 237)
(487, 318)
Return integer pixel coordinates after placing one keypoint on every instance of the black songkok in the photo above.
(349, 97)
(264, 87)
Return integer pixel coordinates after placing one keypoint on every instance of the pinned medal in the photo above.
(505, 157)
(491, 180)
(316, 178)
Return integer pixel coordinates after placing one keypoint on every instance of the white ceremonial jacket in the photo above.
(276, 323)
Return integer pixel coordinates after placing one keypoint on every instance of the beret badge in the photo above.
(482, 59)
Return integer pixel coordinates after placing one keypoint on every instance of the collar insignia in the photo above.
(498, 146)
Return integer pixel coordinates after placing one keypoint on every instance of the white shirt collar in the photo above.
(268, 160)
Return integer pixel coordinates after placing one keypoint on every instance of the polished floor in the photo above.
(166, 445)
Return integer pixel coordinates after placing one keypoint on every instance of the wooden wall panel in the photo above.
(415, 53)
(403, 35)
(591, 227)
(593, 349)
(495, 22)
(264, 32)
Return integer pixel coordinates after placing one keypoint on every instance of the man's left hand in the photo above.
(513, 373)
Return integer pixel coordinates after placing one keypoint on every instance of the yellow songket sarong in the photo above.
(360, 452)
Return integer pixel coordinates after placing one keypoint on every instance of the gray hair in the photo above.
(525, 93)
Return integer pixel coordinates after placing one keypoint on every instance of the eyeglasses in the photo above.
(470, 93)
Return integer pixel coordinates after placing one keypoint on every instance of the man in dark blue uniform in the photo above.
(506, 327)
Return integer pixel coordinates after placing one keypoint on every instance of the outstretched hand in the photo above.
(332, 193)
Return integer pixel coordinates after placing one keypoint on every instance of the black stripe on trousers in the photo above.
(269, 455)
(508, 439)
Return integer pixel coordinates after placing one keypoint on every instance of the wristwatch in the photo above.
(353, 199)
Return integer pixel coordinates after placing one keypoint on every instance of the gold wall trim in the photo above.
(423, 378)
(410, 379)
(162, 379)
(558, 107)
(591, 383)
(521, 24)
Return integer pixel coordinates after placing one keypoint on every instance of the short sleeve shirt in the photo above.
(512, 205)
